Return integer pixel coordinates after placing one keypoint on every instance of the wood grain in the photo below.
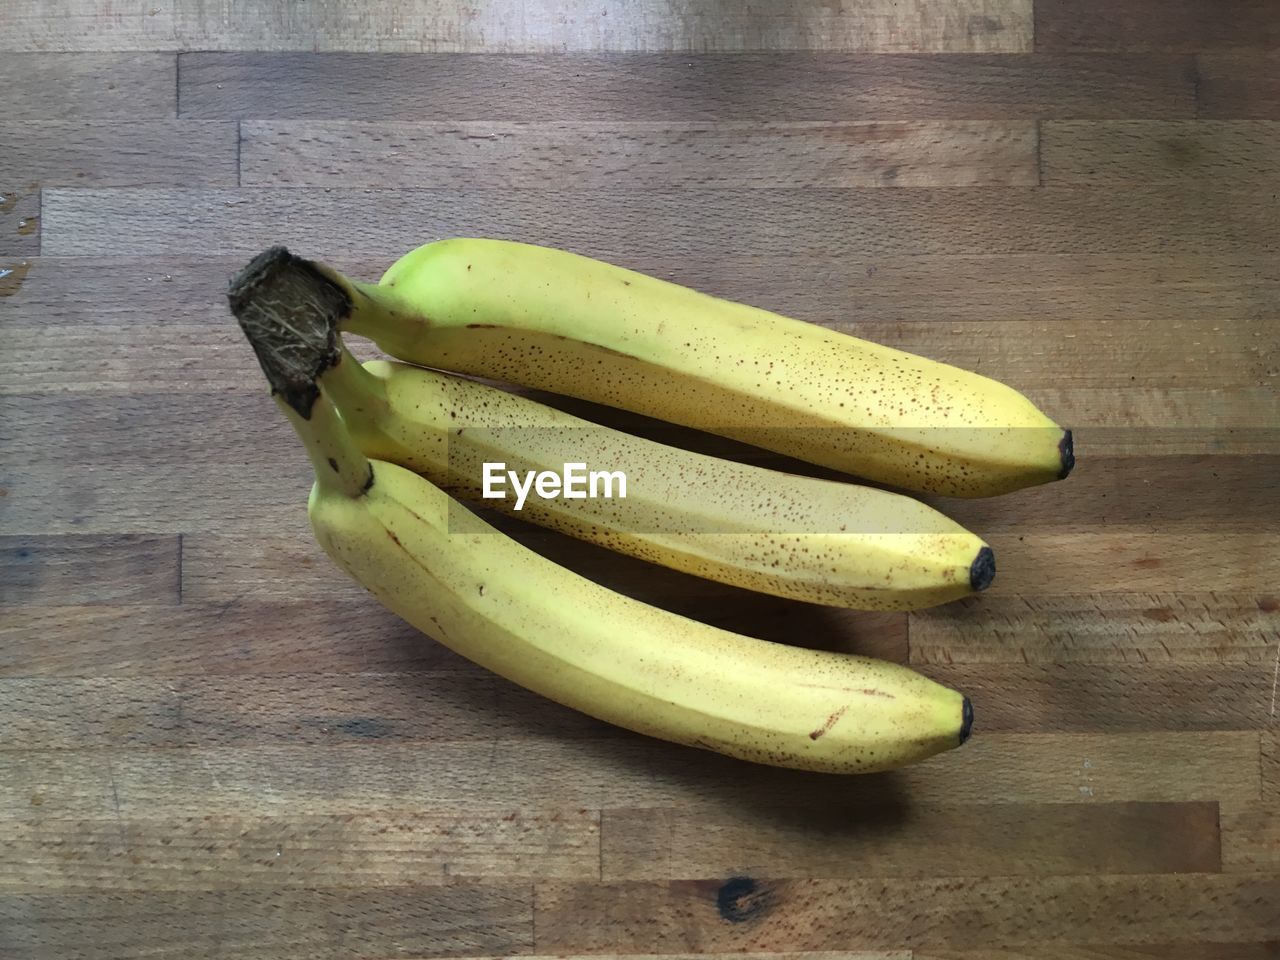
(464, 703)
(1165, 422)
(678, 87)
(813, 222)
(43, 87)
(1088, 697)
(497, 155)
(178, 153)
(124, 292)
(914, 841)
(1135, 293)
(622, 769)
(1098, 561)
(830, 914)
(247, 637)
(301, 924)
(423, 848)
(19, 232)
(1170, 25)
(772, 955)
(995, 26)
(1252, 837)
(458, 704)
(124, 569)
(88, 25)
(1165, 493)
(1189, 152)
(1054, 951)
(1099, 628)
(1271, 753)
(126, 464)
(231, 638)
(1238, 86)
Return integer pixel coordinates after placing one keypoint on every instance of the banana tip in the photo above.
(1068, 454)
(966, 720)
(983, 570)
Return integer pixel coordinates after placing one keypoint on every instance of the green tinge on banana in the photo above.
(572, 325)
(544, 627)
(772, 532)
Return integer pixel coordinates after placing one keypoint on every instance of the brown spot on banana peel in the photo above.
(866, 691)
(828, 723)
(560, 336)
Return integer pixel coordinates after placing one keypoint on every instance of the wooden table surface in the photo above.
(213, 745)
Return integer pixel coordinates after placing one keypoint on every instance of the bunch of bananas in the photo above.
(394, 442)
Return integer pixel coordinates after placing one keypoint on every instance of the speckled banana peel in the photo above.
(791, 536)
(572, 325)
(514, 612)
(558, 634)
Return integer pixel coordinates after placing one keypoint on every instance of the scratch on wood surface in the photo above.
(1275, 676)
(115, 792)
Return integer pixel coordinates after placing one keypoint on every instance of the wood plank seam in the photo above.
(850, 86)
(1275, 684)
(533, 915)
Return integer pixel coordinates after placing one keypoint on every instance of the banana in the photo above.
(572, 325)
(772, 532)
(525, 618)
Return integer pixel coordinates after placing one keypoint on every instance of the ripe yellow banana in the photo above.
(563, 636)
(518, 614)
(791, 536)
(572, 325)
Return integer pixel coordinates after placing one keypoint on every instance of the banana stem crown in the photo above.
(289, 311)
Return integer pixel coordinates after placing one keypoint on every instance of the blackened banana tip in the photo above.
(1068, 453)
(966, 721)
(983, 570)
